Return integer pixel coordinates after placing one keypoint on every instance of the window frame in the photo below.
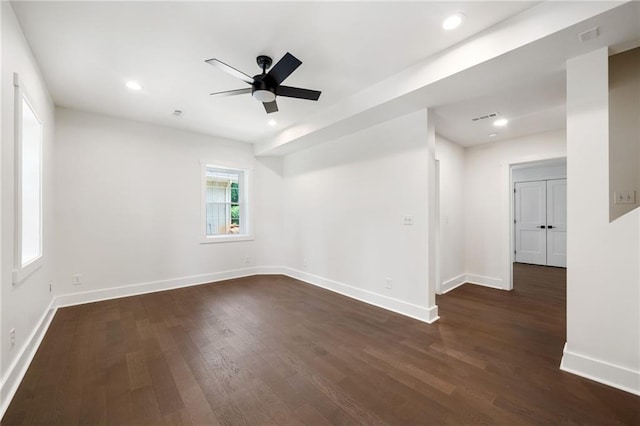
(246, 212)
(23, 270)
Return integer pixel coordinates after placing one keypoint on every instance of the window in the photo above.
(28, 186)
(226, 207)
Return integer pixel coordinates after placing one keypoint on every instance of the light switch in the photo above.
(624, 197)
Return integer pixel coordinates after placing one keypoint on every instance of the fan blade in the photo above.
(232, 92)
(296, 92)
(270, 107)
(284, 68)
(230, 70)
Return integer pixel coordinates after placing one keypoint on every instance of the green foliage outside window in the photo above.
(235, 209)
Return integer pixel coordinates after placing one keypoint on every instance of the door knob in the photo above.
(541, 227)
(550, 226)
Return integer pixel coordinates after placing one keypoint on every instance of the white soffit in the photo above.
(528, 49)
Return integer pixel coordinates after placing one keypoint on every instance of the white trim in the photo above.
(453, 283)
(18, 368)
(21, 274)
(601, 371)
(486, 281)
(439, 283)
(226, 238)
(149, 287)
(420, 313)
(269, 270)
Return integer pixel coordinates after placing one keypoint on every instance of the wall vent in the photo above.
(589, 34)
(486, 116)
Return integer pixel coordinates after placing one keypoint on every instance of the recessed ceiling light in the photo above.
(133, 85)
(272, 122)
(501, 122)
(493, 135)
(453, 21)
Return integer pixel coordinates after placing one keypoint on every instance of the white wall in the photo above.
(488, 201)
(603, 274)
(548, 170)
(451, 158)
(24, 305)
(128, 206)
(345, 202)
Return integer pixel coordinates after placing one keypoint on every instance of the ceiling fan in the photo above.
(266, 86)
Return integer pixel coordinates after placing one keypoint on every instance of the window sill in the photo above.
(22, 273)
(226, 239)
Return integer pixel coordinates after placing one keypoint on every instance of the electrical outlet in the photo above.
(76, 279)
(305, 262)
(12, 335)
(247, 260)
(407, 220)
(388, 283)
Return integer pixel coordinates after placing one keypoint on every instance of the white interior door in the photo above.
(557, 222)
(530, 217)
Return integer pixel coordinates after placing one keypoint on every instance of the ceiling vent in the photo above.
(589, 34)
(486, 116)
(177, 113)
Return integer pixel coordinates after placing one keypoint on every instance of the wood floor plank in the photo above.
(271, 350)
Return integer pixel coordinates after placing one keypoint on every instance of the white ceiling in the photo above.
(536, 107)
(88, 50)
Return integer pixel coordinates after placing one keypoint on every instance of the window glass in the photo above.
(30, 191)
(224, 201)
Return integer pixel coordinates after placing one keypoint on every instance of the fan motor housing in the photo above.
(261, 83)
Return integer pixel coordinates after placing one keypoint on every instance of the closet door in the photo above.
(530, 226)
(557, 222)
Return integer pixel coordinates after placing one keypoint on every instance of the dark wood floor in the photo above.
(272, 350)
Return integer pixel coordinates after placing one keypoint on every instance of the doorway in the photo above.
(540, 222)
(539, 211)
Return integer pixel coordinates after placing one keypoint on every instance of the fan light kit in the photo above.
(264, 95)
(267, 86)
(453, 21)
(134, 85)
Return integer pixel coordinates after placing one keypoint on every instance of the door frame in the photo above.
(508, 212)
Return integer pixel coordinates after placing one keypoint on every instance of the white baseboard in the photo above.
(600, 371)
(485, 281)
(19, 366)
(455, 282)
(268, 270)
(421, 313)
(150, 287)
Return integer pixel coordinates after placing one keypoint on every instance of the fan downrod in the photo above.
(264, 62)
